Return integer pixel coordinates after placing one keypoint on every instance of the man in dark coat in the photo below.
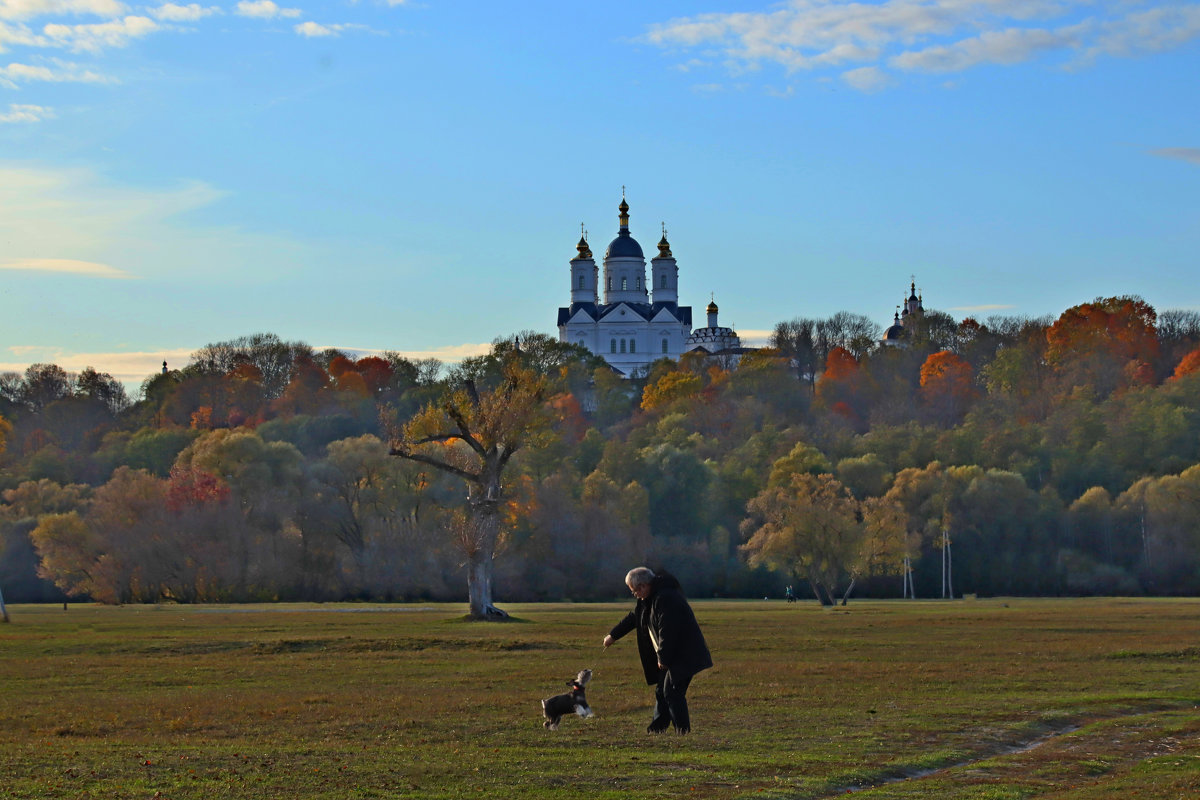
(670, 644)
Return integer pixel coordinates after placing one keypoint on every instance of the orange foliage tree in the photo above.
(1108, 343)
(947, 384)
(1188, 364)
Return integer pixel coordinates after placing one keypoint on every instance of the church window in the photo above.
(612, 345)
(622, 345)
(639, 282)
(624, 284)
(608, 285)
(662, 284)
(664, 345)
(633, 345)
(580, 281)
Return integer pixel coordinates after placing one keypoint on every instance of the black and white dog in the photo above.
(554, 708)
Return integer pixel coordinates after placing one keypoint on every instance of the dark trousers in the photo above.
(670, 703)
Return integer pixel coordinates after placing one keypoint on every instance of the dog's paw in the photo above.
(583, 711)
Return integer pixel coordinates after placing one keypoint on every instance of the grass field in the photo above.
(996, 699)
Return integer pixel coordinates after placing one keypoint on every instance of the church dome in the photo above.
(624, 246)
(712, 307)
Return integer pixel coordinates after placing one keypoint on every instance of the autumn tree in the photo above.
(811, 529)
(473, 433)
(947, 385)
(1107, 344)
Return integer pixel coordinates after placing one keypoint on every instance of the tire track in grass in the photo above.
(1070, 752)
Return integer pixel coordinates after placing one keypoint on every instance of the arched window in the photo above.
(622, 345)
(612, 345)
(662, 282)
(664, 345)
(624, 284)
(633, 345)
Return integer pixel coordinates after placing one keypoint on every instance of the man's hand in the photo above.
(608, 640)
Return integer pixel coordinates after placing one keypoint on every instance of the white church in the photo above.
(639, 321)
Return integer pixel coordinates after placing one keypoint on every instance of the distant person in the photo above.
(670, 644)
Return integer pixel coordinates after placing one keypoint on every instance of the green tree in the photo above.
(810, 529)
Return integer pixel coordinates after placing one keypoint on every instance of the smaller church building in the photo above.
(636, 320)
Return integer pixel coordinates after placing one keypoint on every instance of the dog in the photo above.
(554, 708)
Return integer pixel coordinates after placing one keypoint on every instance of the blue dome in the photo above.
(624, 246)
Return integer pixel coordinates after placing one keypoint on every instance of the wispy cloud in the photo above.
(26, 113)
(868, 79)
(1189, 154)
(752, 337)
(897, 36)
(27, 9)
(58, 72)
(986, 307)
(130, 368)
(170, 12)
(313, 30)
(265, 9)
(95, 37)
(65, 265)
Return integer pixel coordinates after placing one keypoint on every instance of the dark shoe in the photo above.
(682, 731)
(652, 728)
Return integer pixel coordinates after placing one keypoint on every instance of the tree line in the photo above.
(1003, 456)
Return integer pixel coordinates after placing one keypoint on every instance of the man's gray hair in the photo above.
(639, 576)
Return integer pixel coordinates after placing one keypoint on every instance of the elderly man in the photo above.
(670, 644)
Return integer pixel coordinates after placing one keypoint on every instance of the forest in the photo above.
(1008, 456)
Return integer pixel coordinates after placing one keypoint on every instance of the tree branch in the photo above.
(433, 462)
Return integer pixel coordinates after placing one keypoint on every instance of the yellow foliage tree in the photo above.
(473, 433)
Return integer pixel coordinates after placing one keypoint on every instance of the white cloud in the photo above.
(60, 72)
(170, 12)
(1189, 154)
(94, 38)
(312, 29)
(26, 113)
(65, 265)
(27, 9)
(19, 35)
(924, 35)
(867, 79)
(264, 9)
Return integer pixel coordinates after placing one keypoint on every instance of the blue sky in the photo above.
(412, 176)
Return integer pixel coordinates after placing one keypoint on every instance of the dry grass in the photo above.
(898, 699)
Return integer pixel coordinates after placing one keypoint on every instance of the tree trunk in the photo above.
(822, 596)
(849, 589)
(484, 525)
